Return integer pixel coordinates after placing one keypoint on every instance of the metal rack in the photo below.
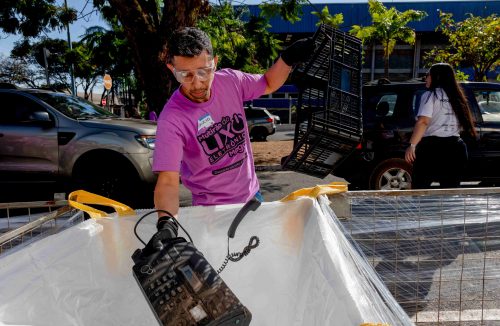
(22, 223)
(329, 124)
(437, 251)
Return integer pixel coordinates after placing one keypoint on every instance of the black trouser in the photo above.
(440, 159)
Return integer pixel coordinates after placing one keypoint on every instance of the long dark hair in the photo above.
(443, 76)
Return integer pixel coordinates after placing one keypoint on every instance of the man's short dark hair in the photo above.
(188, 42)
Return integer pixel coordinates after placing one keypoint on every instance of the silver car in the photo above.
(260, 122)
(50, 137)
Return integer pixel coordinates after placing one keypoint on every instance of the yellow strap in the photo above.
(314, 192)
(79, 198)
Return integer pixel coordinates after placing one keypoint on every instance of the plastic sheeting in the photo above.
(304, 272)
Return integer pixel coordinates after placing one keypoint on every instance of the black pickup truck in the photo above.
(389, 114)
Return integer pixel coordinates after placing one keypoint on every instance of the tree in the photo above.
(326, 18)
(57, 60)
(84, 68)
(108, 52)
(474, 42)
(31, 18)
(289, 10)
(265, 43)
(19, 71)
(389, 26)
(240, 45)
(147, 25)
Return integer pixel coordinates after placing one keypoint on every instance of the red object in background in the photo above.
(103, 101)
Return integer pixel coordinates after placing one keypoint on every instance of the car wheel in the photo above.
(118, 184)
(259, 134)
(391, 174)
(118, 181)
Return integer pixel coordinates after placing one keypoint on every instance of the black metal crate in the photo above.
(344, 111)
(329, 121)
(336, 106)
(318, 151)
(336, 54)
(336, 123)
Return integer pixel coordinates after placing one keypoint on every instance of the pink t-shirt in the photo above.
(208, 142)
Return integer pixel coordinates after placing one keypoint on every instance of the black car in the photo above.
(389, 114)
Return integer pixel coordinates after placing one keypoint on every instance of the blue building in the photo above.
(406, 60)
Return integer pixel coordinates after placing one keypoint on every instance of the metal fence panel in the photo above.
(437, 251)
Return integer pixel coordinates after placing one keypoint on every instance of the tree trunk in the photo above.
(103, 95)
(148, 36)
(86, 90)
(386, 60)
(480, 75)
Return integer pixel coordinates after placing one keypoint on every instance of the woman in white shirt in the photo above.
(436, 149)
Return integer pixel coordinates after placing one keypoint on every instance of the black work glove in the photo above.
(299, 51)
(167, 230)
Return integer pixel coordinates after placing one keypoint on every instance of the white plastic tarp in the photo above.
(304, 272)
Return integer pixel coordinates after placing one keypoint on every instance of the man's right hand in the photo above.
(299, 51)
(167, 229)
(167, 192)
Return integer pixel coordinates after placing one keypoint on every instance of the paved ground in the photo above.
(275, 185)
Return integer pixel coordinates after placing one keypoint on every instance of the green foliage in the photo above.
(109, 50)
(474, 42)
(136, 40)
(247, 46)
(289, 10)
(460, 75)
(57, 59)
(324, 17)
(389, 26)
(31, 18)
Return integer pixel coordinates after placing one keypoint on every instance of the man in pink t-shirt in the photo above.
(202, 134)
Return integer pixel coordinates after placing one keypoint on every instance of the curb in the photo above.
(285, 127)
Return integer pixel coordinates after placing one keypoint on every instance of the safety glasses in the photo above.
(187, 76)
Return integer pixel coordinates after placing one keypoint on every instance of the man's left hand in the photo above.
(299, 51)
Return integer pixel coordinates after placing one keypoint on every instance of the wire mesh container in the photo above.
(437, 251)
(23, 223)
(329, 123)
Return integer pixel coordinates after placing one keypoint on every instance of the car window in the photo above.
(251, 114)
(417, 97)
(17, 108)
(73, 107)
(382, 105)
(489, 104)
(379, 108)
(386, 105)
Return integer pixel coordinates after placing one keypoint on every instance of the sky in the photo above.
(90, 19)
(87, 18)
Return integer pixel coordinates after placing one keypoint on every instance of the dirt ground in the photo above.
(271, 152)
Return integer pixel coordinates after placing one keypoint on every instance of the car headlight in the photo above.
(146, 141)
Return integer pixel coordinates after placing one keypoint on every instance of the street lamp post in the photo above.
(46, 53)
(73, 88)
